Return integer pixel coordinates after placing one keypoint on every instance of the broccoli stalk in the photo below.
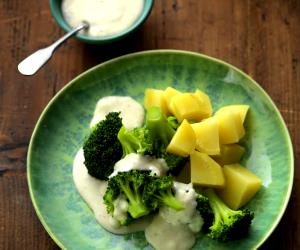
(173, 122)
(205, 211)
(162, 129)
(132, 184)
(145, 193)
(159, 192)
(228, 224)
(137, 140)
(101, 148)
(136, 206)
(159, 127)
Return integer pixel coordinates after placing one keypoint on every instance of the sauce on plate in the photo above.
(161, 228)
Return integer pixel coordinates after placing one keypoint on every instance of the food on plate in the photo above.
(183, 141)
(169, 93)
(170, 172)
(188, 106)
(229, 153)
(155, 98)
(227, 224)
(241, 186)
(231, 128)
(131, 112)
(205, 103)
(102, 149)
(137, 140)
(176, 229)
(242, 110)
(205, 171)
(106, 17)
(207, 136)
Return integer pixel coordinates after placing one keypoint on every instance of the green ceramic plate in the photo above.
(64, 123)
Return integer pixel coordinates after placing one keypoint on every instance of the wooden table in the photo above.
(260, 37)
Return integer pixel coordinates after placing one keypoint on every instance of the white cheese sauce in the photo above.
(157, 167)
(169, 229)
(106, 17)
(92, 191)
(166, 236)
(132, 112)
(182, 224)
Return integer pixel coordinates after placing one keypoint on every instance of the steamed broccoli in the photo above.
(205, 211)
(144, 193)
(159, 192)
(102, 148)
(227, 224)
(137, 140)
(173, 122)
(132, 185)
(174, 162)
(161, 131)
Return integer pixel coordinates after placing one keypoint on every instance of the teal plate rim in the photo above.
(127, 56)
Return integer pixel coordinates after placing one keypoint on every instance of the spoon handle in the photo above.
(31, 64)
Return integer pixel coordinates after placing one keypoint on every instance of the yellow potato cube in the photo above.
(229, 154)
(207, 136)
(186, 106)
(205, 171)
(155, 98)
(183, 141)
(241, 186)
(169, 93)
(231, 128)
(242, 110)
(204, 99)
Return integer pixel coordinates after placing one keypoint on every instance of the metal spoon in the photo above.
(31, 64)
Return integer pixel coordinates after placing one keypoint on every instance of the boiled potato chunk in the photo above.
(205, 171)
(229, 154)
(155, 98)
(231, 128)
(241, 186)
(242, 110)
(207, 136)
(205, 103)
(186, 106)
(183, 141)
(169, 93)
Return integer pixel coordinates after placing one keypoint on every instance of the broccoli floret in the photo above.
(205, 211)
(159, 192)
(228, 224)
(102, 148)
(114, 200)
(137, 140)
(174, 162)
(132, 185)
(153, 139)
(173, 122)
(162, 129)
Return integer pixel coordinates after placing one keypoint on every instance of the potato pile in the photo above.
(211, 142)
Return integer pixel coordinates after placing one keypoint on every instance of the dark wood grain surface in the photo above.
(261, 37)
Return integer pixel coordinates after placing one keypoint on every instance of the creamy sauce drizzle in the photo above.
(132, 112)
(169, 229)
(92, 191)
(106, 17)
(142, 162)
(182, 224)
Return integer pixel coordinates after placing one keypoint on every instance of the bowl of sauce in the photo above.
(109, 20)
